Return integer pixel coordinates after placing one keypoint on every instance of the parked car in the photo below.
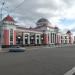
(16, 49)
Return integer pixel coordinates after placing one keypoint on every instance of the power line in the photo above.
(17, 6)
(7, 8)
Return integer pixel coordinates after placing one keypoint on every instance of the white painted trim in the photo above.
(13, 36)
(29, 31)
(24, 38)
(9, 36)
(35, 39)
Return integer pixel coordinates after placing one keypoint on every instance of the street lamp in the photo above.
(26, 37)
(32, 38)
(19, 37)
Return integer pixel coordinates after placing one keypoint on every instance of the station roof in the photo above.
(9, 19)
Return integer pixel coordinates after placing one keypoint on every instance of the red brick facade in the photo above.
(6, 37)
(45, 39)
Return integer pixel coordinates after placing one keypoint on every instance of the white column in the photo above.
(54, 38)
(35, 38)
(60, 39)
(39, 39)
(64, 39)
(23, 38)
(28, 38)
(68, 40)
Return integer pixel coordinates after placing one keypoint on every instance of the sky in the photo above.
(60, 13)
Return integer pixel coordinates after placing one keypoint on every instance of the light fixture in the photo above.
(26, 37)
(19, 37)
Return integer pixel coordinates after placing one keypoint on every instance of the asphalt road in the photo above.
(43, 61)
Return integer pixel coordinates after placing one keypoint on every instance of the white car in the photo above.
(16, 49)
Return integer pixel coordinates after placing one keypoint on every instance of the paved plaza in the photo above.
(38, 61)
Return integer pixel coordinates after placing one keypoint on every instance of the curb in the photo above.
(31, 48)
(4, 50)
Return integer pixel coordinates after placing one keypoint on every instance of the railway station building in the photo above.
(43, 34)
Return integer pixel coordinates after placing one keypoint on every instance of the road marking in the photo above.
(70, 72)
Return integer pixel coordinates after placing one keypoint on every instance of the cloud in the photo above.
(29, 11)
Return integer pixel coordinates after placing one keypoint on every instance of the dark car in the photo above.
(16, 49)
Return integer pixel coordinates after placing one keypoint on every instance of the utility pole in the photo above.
(3, 3)
(1, 26)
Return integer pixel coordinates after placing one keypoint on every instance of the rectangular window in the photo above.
(11, 36)
(65, 37)
(51, 38)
